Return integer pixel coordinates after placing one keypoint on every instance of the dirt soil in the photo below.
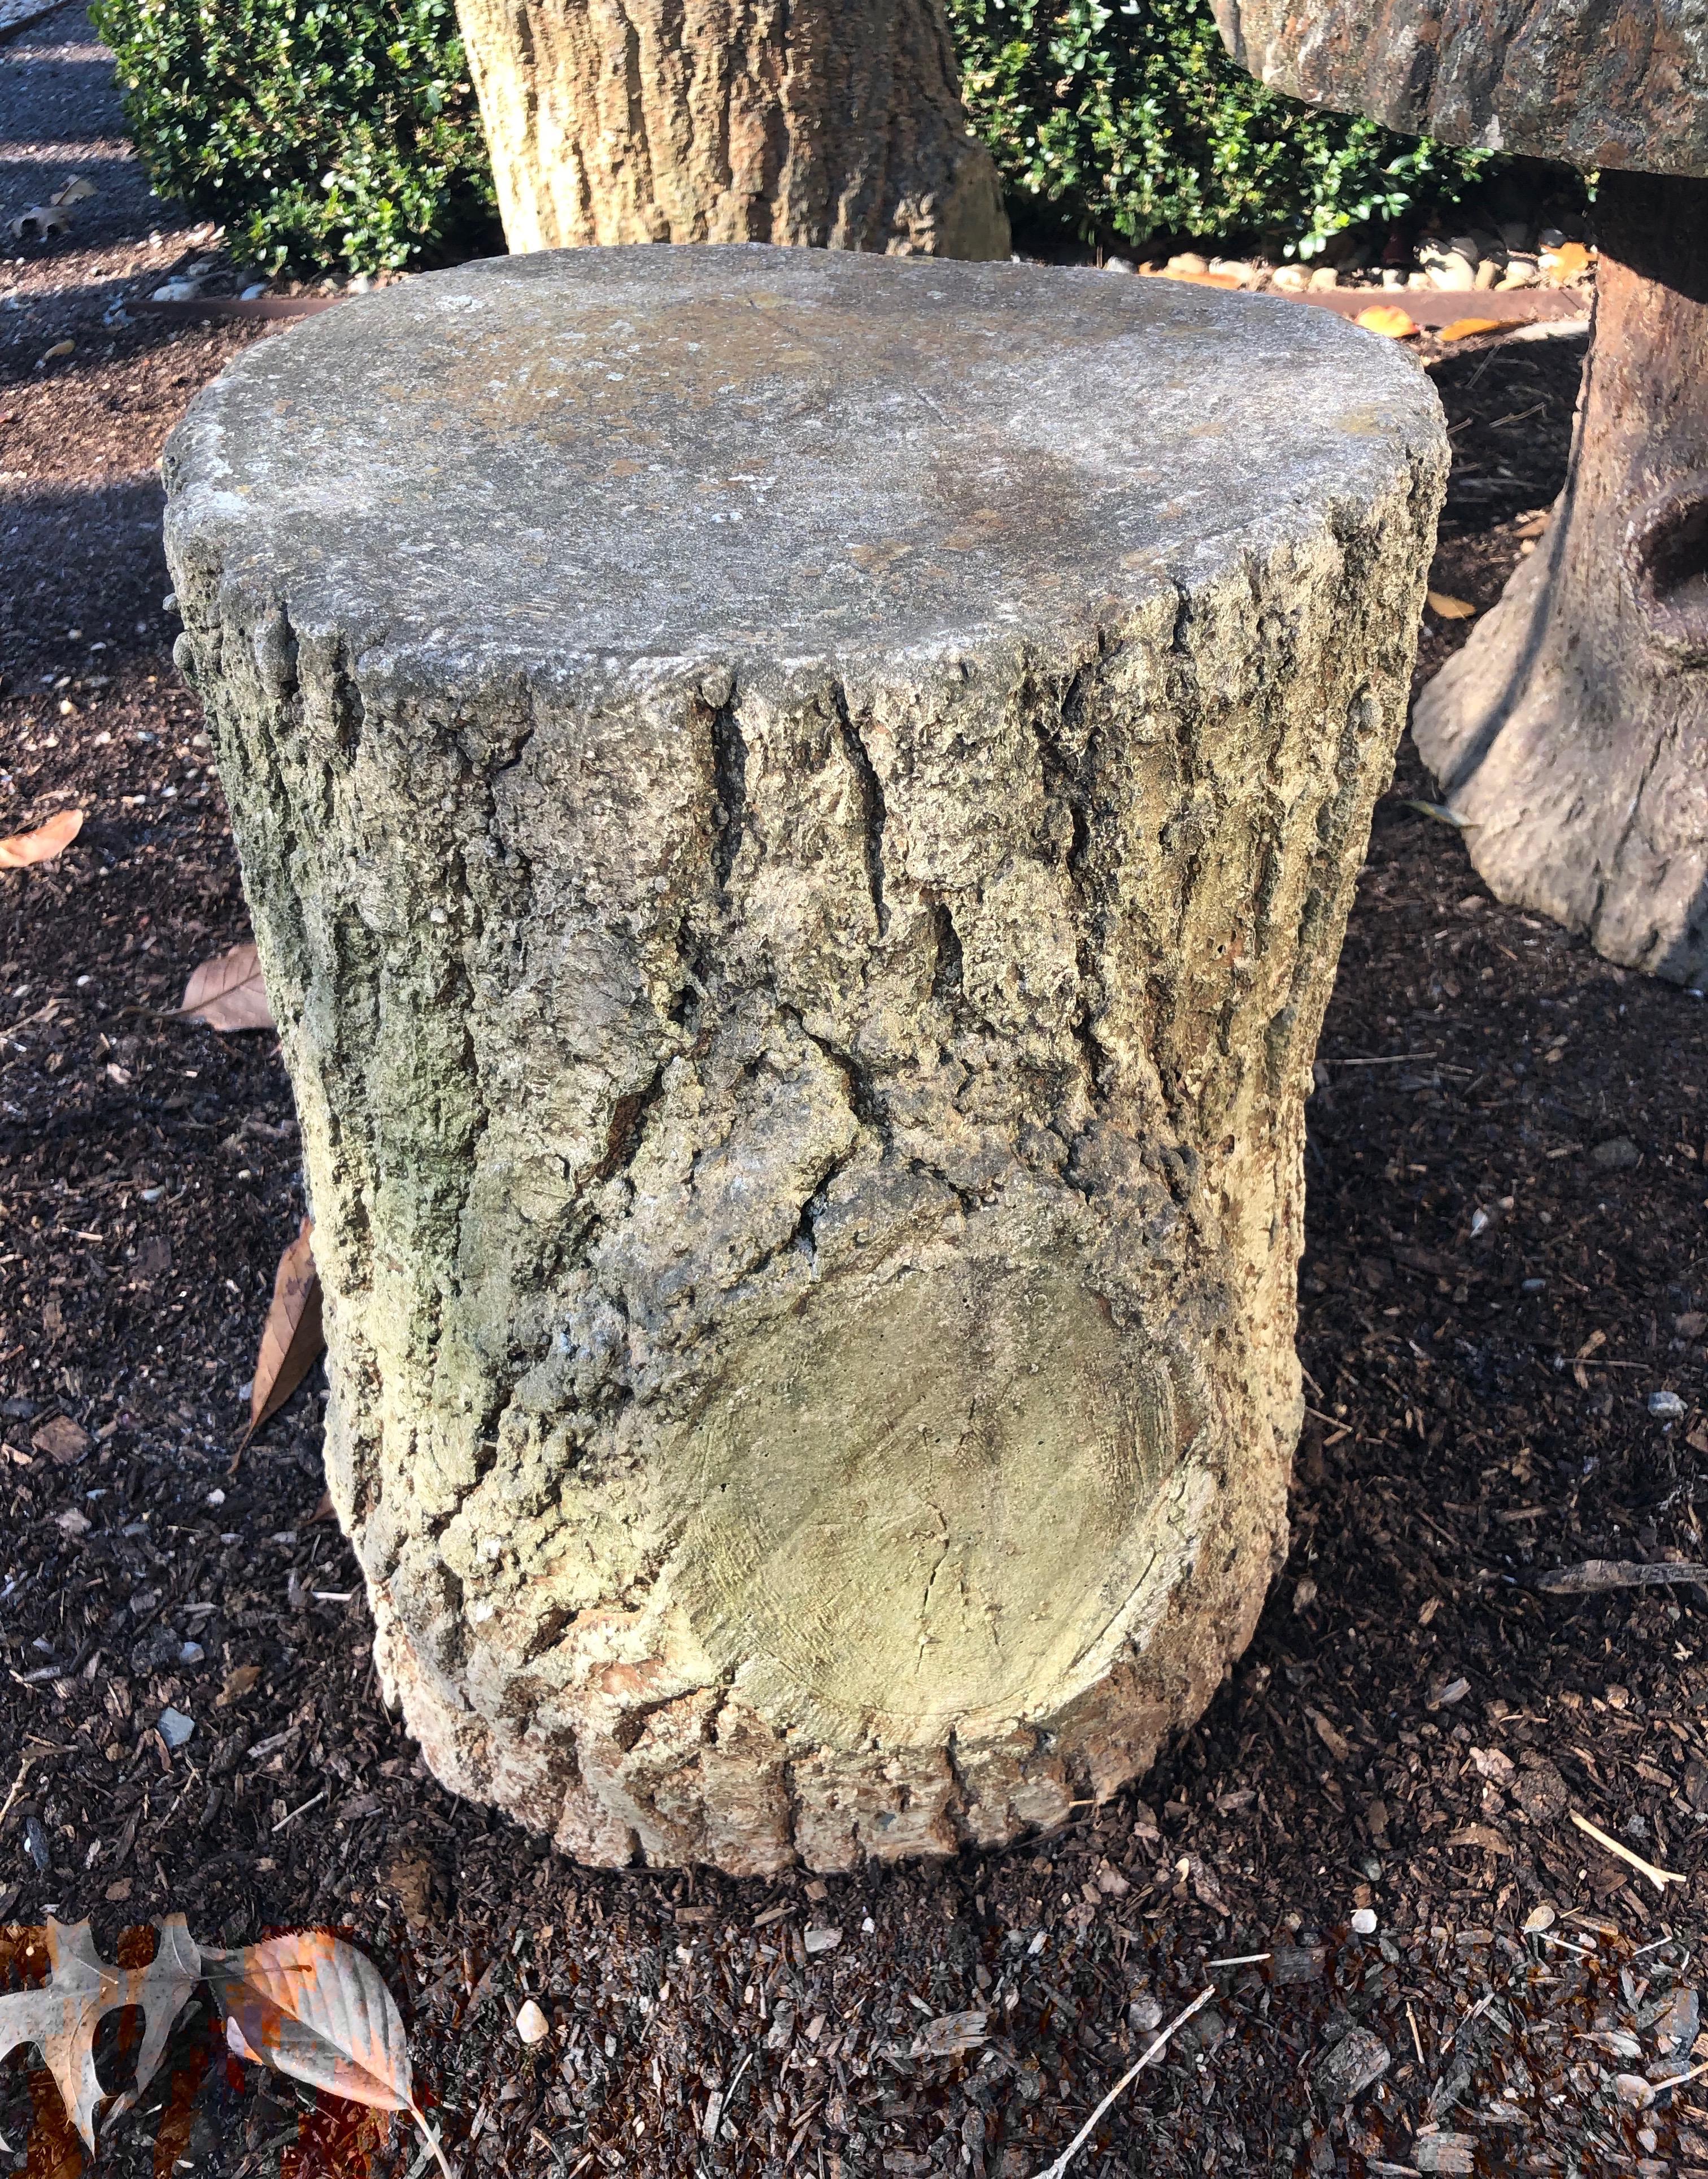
(1507, 1265)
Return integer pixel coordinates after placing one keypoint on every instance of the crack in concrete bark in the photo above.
(874, 813)
(728, 790)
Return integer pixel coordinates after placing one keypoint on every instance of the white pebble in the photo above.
(1364, 1922)
(531, 2023)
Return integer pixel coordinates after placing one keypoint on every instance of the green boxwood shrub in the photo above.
(1126, 119)
(343, 134)
(321, 134)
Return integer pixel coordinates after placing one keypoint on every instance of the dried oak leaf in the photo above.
(227, 993)
(291, 1338)
(62, 2016)
(20, 849)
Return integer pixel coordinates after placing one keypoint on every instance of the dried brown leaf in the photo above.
(41, 221)
(20, 849)
(312, 2007)
(227, 993)
(1445, 607)
(62, 2016)
(291, 1338)
(1387, 318)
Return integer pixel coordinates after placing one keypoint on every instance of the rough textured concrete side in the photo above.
(1615, 87)
(807, 1158)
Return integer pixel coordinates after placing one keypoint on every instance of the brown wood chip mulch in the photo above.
(1507, 1263)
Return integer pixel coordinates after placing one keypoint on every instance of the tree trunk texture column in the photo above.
(1571, 732)
(800, 812)
(833, 123)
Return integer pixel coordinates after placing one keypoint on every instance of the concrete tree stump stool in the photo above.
(799, 811)
(1571, 732)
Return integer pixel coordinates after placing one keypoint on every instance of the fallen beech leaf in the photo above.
(1446, 607)
(62, 1440)
(75, 189)
(313, 2007)
(1463, 328)
(59, 348)
(292, 1339)
(1386, 318)
(21, 849)
(227, 993)
(64, 2016)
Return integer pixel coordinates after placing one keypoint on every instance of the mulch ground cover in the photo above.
(1505, 1267)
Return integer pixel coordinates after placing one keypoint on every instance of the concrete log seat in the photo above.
(799, 811)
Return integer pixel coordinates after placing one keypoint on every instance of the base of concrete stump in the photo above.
(800, 812)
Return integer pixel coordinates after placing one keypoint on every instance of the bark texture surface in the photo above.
(1571, 732)
(836, 124)
(799, 812)
(1620, 85)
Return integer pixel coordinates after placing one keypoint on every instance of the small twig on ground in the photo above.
(1241, 1960)
(1056, 2171)
(17, 1786)
(1416, 2039)
(302, 1811)
(1660, 1878)
(1591, 1575)
(1385, 1058)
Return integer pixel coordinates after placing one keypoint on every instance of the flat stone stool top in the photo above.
(664, 451)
